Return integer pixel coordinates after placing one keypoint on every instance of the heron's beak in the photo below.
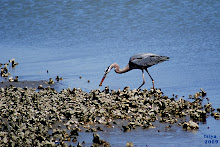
(105, 74)
(102, 80)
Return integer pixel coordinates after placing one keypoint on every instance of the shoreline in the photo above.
(28, 84)
(79, 112)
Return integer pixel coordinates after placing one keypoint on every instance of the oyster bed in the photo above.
(27, 115)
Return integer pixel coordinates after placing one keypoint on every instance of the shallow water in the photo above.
(80, 38)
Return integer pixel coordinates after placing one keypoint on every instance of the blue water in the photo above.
(80, 38)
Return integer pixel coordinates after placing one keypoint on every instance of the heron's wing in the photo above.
(145, 60)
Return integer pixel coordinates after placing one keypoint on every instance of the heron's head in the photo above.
(105, 74)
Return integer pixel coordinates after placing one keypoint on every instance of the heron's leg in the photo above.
(143, 79)
(150, 77)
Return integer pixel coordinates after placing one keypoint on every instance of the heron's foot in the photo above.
(139, 88)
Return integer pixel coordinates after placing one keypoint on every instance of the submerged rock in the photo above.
(98, 142)
(129, 144)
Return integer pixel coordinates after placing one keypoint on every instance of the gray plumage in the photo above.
(145, 60)
(139, 61)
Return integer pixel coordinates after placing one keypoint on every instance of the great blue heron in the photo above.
(139, 61)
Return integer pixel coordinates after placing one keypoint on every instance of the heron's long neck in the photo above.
(117, 70)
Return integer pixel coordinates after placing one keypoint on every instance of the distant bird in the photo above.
(139, 61)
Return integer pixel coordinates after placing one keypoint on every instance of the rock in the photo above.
(99, 129)
(193, 125)
(203, 93)
(96, 139)
(215, 115)
(79, 144)
(190, 125)
(51, 81)
(129, 144)
(2, 89)
(126, 128)
(93, 130)
(106, 90)
(208, 107)
(13, 63)
(11, 79)
(74, 139)
(57, 78)
(105, 143)
(16, 79)
(40, 87)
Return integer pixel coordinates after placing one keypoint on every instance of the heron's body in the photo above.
(139, 61)
(145, 60)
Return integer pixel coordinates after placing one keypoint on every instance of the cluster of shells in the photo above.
(5, 72)
(27, 115)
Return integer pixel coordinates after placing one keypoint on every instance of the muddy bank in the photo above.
(48, 117)
(23, 84)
